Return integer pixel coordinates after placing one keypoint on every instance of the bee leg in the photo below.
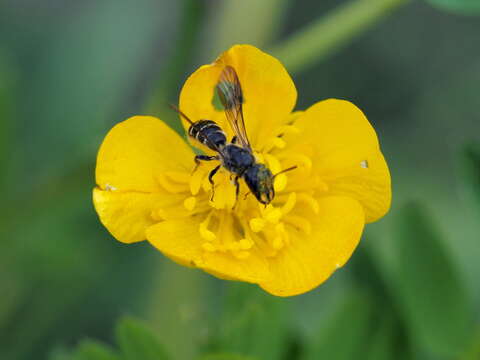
(210, 178)
(234, 139)
(199, 158)
(237, 189)
(246, 195)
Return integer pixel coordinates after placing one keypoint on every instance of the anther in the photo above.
(208, 246)
(204, 232)
(311, 201)
(257, 224)
(190, 203)
(273, 216)
(290, 203)
(167, 185)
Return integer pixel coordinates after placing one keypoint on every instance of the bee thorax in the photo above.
(236, 159)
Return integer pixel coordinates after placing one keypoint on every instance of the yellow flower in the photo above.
(147, 188)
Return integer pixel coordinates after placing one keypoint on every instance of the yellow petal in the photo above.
(347, 154)
(269, 92)
(136, 151)
(310, 260)
(180, 241)
(127, 215)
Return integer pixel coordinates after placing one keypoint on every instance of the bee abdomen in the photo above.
(208, 133)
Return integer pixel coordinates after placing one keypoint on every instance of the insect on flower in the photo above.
(298, 228)
(237, 156)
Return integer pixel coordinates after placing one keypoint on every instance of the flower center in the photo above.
(240, 226)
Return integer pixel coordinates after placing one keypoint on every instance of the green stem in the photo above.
(323, 37)
(254, 22)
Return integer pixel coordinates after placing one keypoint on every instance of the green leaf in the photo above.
(345, 335)
(383, 344)
(225, 356)
(8, 80)
(432, 298)
(94, 350)
(254, 323)
(467, 7)
(137, 341)
(60, 354)
(473, 350)
(471, 174)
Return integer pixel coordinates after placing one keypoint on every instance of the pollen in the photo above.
(109, 187)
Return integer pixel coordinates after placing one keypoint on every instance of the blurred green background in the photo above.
(70, 70)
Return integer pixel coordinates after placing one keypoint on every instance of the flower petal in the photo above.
(180, 241)
(269, 92)
(310, 260)
(347, 154)
(136, 151)
(127, 215)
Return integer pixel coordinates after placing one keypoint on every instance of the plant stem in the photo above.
(323, 37)
(243, 22)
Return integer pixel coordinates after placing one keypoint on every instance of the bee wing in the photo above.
(231, 96)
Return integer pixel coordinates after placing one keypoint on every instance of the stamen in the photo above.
(156, 216)
(290, 203)
(167, 185)
(190, 203)
(273, 216)
(275, 167)
(208, 246)
(246, 244)
(241, 254)
(310, 200)
(300, 160)
(196, 181)
(279, 142)
(299, 223)
(288, 129)
(257, 224)
(277, 243)
(178, 177)
(273, 163)
(203, 229)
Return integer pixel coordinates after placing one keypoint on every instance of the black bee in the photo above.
(235, 156)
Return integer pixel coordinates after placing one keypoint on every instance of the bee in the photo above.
(235, 156)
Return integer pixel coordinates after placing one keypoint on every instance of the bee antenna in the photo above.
(285, 170)
(181, 113)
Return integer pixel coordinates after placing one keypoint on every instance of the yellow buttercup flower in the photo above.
(148, 189)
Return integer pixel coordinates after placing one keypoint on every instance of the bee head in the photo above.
(260, 181)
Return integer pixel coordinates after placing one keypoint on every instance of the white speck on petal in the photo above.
(364, 164)
(110, 187)
(337, 266)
